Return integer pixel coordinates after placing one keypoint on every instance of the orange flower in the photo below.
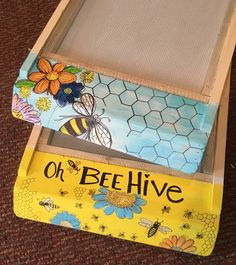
(179, 244)
(50, 77)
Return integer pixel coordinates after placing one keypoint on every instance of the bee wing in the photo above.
(86, 105)
(48, 200)
(145, 222)
(164, 229)
(100, 135)
(48, 208)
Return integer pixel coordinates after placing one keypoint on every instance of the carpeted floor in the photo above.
(26, 242)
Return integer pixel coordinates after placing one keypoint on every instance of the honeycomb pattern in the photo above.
(79, 192)
(154, 125)
(209, 231)
(23, 199)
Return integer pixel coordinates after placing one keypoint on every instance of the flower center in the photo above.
(52, 76)
(120, 199)
(68, 90)
(66, 224)
(17, 114)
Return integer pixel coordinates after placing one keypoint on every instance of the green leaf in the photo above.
(72, 70)
(25, 83)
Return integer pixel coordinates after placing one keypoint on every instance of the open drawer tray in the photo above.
(147, 85)
(63, 181)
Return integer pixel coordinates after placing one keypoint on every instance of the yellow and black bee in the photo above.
(48, 204)
(86, 125)
(63, 192)
(73, 166)
(154, 227)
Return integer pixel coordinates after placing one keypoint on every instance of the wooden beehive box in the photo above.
(148, 84)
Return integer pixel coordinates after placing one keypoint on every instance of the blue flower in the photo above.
(66, 219)
(68, 93)
(122, 203)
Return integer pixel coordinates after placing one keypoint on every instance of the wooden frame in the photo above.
(212, 166)
(55, 31)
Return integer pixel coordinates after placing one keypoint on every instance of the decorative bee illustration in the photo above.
(185, 226)
(133, 237)
(165, 209)
(95, 217)
(73, 166)
(86, 227)
(121, 235)
(102, 227)
(48, 204)
(188, 214)
(199, 235)
(63, 192)
(79, 205)
(87, 125)
(154, 227)
(92, 192)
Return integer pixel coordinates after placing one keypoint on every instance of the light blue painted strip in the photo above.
(209, 118)
(27, 65)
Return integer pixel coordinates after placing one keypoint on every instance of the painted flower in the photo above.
(68, 93)
(122, 203)
(50, 77)
(179, 244)
(24, 92)
(24, 111)
(43, 104)
(87, 76)
(65, 219)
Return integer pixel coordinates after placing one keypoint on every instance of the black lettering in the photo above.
(52, 170)
(114, 182)
(103, 179)
(156, 189)
(91, 173)
(174, 189)
(131, 184)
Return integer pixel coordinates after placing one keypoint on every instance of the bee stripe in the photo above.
(74, 125)
(64, 130)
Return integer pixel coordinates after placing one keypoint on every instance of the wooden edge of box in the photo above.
(40, 138)
(55, 31)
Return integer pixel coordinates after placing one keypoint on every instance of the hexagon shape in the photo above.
(170, 115)
(201, 108)
(174, 101)
(133, 145)
(151, 135)
(137, 123)
(128, 97)
(163, 149)
(117, 87)
(106, 80)
(197, 121)
(115, 107)
(141, 108)
(189, 101)
(198, 139)
(95, 82)
(190, 168)
(160, 93)
(101, 91)
(183, 126)
(144, 93)
(162, 161)
(176, 160)
(167, 131)
(153, 119)
(187, 111)
(193, 155)
(157, 103)
(180, 143)
(148, 153)
(131, 86)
